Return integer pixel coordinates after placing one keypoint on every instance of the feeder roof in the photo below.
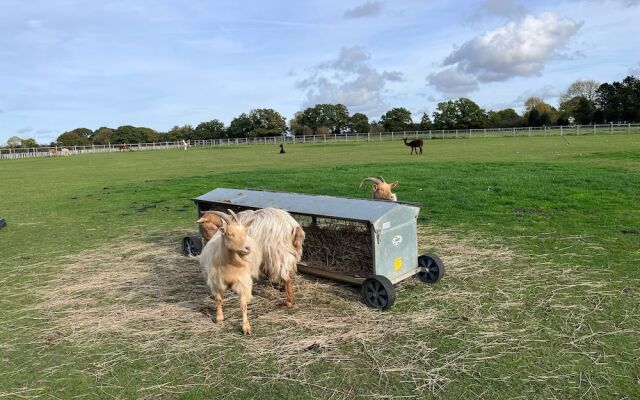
(326, 206)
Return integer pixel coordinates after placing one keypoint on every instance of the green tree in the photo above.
(102, 136)
(359, 123)
(28, 143)
(14, 141)
(184, 132)
(133, 134)
(334, 117)
(506, 118)
(459, 114)
(213, 129)
(541, 108)
(470, 115)
(446, 115)
(533, 117)
(619, 101)
(425, 122)
(397, 119)
(240, 126)
(76, 137)
(296, 124)
(578, 107)
(266, 122)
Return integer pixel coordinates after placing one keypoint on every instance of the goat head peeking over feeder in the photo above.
(381, 189)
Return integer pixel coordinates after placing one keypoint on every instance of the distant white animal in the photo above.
(65, 152)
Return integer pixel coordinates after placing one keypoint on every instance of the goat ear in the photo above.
(248, 224)
(223, 229)
(375, 187)
(200, 221)
(394, 184)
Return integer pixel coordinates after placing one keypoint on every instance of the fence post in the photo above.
(380, 133)
(443, 133)
(325, 138)
(594, 129)
(611, 128)
(629, 128)
(484, 134)
(577, 130)
(456, 133)
(560, 130)
(429, 134)
(545, 130)
(514, 132)
(368, 136)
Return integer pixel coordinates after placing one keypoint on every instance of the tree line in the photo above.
(585, 102)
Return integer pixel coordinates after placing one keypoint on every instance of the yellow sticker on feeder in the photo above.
(397, 264)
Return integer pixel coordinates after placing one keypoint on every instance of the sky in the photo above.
(66, 64)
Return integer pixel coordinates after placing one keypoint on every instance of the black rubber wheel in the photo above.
(378, 292)
(433, 268)
(191, 245)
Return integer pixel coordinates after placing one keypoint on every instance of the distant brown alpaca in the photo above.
(415, 144)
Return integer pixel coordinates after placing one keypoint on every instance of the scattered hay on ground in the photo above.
(143, 296)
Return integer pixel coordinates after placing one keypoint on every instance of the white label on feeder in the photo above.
(386, 225)
(397, 240)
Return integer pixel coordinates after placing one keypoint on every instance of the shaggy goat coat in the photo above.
(280, 237)
(224, 269)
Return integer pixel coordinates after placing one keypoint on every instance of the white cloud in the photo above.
(350, 80)
(368, 9)
(453, 82)
(546, 92)
(518, 48)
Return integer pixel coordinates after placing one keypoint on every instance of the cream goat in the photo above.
(280, 238)
(231, 260)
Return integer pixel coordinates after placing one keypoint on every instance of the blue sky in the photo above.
(69, 64)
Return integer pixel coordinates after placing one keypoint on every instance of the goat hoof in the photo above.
(288, 304)
(220, 321)
(246, 330)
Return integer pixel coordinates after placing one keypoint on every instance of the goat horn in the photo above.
(382, 179)
(222, 215)
(371, 179)
(235, 217)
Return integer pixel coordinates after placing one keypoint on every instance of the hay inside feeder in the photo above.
(337, 245)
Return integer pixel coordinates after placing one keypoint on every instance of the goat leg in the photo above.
(246, 328)
(288, 288)
(219, 315)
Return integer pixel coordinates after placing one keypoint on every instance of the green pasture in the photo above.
(542, 299)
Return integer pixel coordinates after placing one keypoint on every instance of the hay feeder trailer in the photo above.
(371, 243)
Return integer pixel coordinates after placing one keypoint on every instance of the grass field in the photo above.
(541, 299)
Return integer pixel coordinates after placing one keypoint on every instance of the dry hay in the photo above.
(338, 246)
(151, 300)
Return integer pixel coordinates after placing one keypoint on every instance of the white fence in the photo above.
(574, 130)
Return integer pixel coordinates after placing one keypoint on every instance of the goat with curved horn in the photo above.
(225, 217)
(381, 189)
